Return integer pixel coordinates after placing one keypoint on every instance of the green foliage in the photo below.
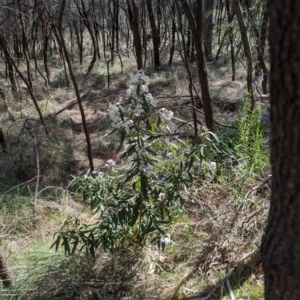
(149, 191)
(245, 151)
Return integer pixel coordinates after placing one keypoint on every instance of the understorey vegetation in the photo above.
(134, 160)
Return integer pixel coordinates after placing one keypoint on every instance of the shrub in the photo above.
(149, 190)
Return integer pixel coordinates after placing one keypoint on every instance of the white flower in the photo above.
(103, 141)
(165, 115)
(144, 88)
(146, 169)
(161, 197)
(150, 99)
(166, 239)
(98, 174)
(130, 91)
(138, 110)
(212, 166)
(126, 125)
(139, 77)
(110, 164)
(114, 113)
(166, 118)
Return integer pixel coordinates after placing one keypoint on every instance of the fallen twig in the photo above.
(226, 278)
(254, 189)
(229, 289)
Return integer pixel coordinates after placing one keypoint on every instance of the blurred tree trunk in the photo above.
(281, 243)
(134, 21)
(79, 37)
(3, 46)
(195, 19)
(173, 34)
(247, 49)
(82, 113)
(155, 35)
(84, 14)
(262, 41)
(230, 16)
(25, 44)
(11, 75)
(208, 27)
(8, 108)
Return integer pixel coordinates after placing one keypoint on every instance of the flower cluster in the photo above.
(110, 164)
(161, 197)
(131, 92)
(166, 118)
(165, 115)
(117, 118)
(141, 80)
(139, 77)
(114, 113)
(138, 110)
(145, 169)
(150, 99)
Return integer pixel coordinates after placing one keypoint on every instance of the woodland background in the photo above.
(63, 65)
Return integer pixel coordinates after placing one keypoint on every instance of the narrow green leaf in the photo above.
(135, 213)
(121, 113)
(123, 135)
(146, 104)
(138, 90)
(66, 245)
(191, 163)
(144, 186)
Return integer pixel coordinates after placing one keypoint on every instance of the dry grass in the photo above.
(211, 237)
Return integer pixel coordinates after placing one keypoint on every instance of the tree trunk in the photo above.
(133, 13)
(3, 45)
(230, 16)
(172, 49)
(208, 27)
(281, 243)
(46, 37)
(79, 38)
(247, 49)
(85, 17)
(262, 42)
(11, 75)
(64, 49)
(8, 108)
(195, 20)
(155, 35)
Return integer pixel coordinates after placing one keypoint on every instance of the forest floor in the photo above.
(216, 249)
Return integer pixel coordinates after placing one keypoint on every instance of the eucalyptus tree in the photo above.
(73, 78)
(155, 32)
(195, 15)
(133, 10)
(84, 10)
(247, 48)
(208, 27)
(281, 243)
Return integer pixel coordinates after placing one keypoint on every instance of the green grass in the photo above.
(210, 236)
